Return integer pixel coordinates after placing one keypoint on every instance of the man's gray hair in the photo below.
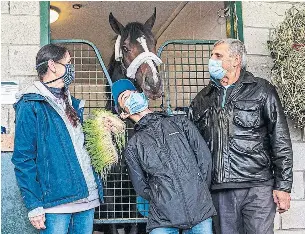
(236, 47)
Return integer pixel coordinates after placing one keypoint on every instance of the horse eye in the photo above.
(125, 49)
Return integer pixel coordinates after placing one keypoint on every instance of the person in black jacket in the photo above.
(242, 120)
(169, 165)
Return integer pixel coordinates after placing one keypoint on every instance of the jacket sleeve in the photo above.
(281, 148)
(200, 149)
(136, 174)
(24, 155)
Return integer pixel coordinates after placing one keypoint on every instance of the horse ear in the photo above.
(151, 21)
(115, 25)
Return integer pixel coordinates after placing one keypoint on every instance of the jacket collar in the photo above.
(245, 77)
(149, 118)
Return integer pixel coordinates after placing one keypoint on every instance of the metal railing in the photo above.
(185, 72)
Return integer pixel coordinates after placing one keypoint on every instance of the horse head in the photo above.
(135, 53)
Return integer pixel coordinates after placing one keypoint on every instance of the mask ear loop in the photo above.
(36, 67)
(122, 113)
(51, 81)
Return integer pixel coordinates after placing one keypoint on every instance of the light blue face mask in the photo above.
(216, 70)
(136, 103)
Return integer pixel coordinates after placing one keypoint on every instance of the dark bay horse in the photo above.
(135, 56)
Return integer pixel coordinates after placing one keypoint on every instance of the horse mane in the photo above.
(114, 69)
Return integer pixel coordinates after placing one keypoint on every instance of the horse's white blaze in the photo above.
(143, 43)
(145, 57)
(153, 69)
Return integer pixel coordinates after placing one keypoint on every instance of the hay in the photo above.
(288, 52)
(105, 139)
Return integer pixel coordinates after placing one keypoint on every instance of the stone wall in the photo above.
(260, 19)
(20, 39)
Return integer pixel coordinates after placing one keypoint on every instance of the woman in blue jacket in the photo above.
(52, 167)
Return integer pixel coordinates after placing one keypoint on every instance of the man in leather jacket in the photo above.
(242, 120)
(169, 165)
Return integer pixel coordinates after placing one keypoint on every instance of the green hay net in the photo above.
(288, 52)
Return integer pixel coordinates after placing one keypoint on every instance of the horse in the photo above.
(135, 56)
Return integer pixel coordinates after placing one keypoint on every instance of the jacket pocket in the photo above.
(155, 186)
(248, 156)
(157, 214)
(162, 189)
(203, 190)
(47, 177)
(246, 114)
(203, 118)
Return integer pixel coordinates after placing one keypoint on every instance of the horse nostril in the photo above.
(146, 83)
(147, 87)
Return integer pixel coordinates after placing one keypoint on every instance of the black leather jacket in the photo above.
(170, 166)
(249, 137)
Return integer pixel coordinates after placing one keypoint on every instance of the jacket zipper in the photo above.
(220, 157)
(220, 149)
(165, 151)
(72, 171)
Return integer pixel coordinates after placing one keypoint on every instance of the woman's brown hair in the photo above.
(55, 53)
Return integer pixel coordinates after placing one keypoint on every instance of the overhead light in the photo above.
(77, 6)
(54, 14)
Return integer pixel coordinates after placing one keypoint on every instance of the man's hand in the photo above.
(38, 221)
(282, 200)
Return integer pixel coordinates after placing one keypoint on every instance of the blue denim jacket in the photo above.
(46, 166)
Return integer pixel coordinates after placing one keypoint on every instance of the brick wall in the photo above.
(260, 19)
(20, 39)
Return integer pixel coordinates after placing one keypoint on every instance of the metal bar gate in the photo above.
(185, 74)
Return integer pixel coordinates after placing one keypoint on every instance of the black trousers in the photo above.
(244, 211)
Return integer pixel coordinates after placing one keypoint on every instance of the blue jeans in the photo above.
(205, 227)
(72, 223)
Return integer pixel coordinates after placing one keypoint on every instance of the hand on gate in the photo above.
(282, 200)
(38, 221)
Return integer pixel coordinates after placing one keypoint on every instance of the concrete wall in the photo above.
(260, 19)
(20, 39)
(13, 212)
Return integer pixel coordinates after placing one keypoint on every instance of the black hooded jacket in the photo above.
(248, 136)
(170, 165)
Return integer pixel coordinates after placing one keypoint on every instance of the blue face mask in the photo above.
(216, 70)
(136, 103)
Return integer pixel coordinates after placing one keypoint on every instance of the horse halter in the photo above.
(144, 57)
